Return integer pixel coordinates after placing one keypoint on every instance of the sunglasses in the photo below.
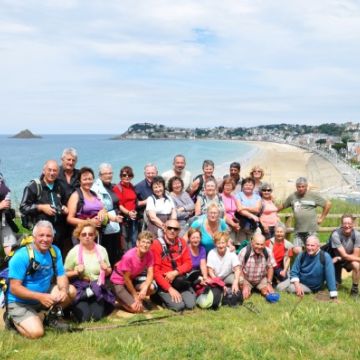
(126, 176)
(266, 190)
(85, 234)
(172, 228)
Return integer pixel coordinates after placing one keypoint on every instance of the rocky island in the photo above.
(25, 134)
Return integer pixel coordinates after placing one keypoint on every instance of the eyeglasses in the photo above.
(107, 173)
(266, 190)
(126, 175)
(170, 228)
(85, 234)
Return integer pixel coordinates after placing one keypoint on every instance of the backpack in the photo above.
(27, 220)
(210, 298)
(329, 249)
(31, 269)
(199, 189)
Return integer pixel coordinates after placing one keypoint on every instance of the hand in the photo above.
(5, 204)
(103, 265)
(132, 214)
(46, 299)
(231, 247)
(320, 220)
(171, 275)
(283, 273)
(47, 209)
(175, 295)
(246, 292)
(336, 259)
(299, 291)
(60, 296)
(138, 306)
(80, 269)
(64, 210)
(266, 229)
(235, 287)
(270, 289)
(142, 294)
(255, 218)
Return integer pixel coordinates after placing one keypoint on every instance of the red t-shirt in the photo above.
(127, 195)
(279, 252)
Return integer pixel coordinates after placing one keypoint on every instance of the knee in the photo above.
(355, 266)
(177, 306)
(72, 293)
(35, 332)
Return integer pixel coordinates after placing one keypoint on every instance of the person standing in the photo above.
(178, 170)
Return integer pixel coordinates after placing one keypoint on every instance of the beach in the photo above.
(283, 164)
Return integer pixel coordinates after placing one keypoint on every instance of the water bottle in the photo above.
(3, 218)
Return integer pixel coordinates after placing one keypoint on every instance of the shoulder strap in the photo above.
(247, 254)
(302, 258)
(266, 254)
(322, 257)
(37, 182)
(80, 203)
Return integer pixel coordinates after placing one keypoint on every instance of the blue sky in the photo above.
(71, 66)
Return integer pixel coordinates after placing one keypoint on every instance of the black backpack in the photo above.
(248, 252)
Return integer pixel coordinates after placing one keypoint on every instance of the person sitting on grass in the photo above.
(130, 286)
(310, 271)
(31, 278)
(197, 253)
(256, 267)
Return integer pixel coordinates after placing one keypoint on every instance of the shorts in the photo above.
(19, 312)
(8, 237)
(263, 283)
(301, 237)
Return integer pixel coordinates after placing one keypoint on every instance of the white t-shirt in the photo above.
(185, 177)
(160, 206)
(222, 265)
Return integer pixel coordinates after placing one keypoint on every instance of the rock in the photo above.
(25, 134)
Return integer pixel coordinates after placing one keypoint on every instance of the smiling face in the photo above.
(106, 175)
(213, 214)
(86, 180)
(158, 189)
(43, 239)
(50, 171)
(347, 225)
(150, 172)
(235, 173)
(312, 245)
(177, 187)
(228, 188)
(179, 164)
(68, 162)
(301, 189)
(195, 239)
(143, 246)
(279, 234)
(258, 243)
(248, 188)
(221, 246)
(210, 188)
(208, 171)
(171, 231)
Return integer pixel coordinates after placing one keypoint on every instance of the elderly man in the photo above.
(172, 261)
(179, 170)
(304, 204)
(33, 269)
(345, 242)
(45, 199)
(256, 267)
(311, 270)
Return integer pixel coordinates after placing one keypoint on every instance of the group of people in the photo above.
(168, 237)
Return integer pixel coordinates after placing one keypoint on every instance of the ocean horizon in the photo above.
(21, 160)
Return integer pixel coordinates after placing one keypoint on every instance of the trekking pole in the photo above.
(296, 305)
(251, 307)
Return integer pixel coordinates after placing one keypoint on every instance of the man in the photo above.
(310, 271)
(179, 164)
(346, 244)
(172, 260)
(234, 173)
(68, 176)
(256, 267)
(304, 204)
(30, 283)
(44, 199)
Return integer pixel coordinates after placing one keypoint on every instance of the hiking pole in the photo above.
(296, 305)
(251, 307)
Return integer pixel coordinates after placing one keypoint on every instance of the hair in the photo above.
(179, 155)
(227, 180)
(171, 182)
(209, 180)
(208, 163)
(313, 237)
(158, 180)
(150, 165)
(104, 166)
(213, 205)
(264, 186)
(79, 228)
(257, 167)
(84, 170)
(247, 180)
(257, 235)
(69, 151)
(192, 231)
(280, 225)
(41, 224)
(221, 235)
(347, 216)
(47, 162)
(235, 165)
(126, 169)
(147, 235)
(301, 180)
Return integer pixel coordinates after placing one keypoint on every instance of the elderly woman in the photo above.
(159, 207)
(183, 202)
(197, 252)
(110, 238)
(208, 225)
(268, 212)
(282, 252)
(257, 173)
(84, 204)
(209, 196)
(197, 186)
(223, 263)
(130, 286)
(87, 265)
(128, 204)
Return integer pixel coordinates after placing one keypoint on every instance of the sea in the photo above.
(21, 160)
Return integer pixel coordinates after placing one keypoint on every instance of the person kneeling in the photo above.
(129, 286)
(31, 278)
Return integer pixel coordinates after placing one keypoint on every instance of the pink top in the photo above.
(229, 204)
(132, 263)
(269, 216)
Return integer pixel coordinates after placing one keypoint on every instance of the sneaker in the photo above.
(54, 320)
(9, 324)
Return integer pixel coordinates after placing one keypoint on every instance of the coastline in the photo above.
(284, 163)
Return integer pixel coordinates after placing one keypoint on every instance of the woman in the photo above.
(128, 204)
(208, 225)
(269, 211)
(87, 265)
(209, 196)
(197, 253)
(257, 173)
(282, 252)
(198, 184)
(103, 188)
(84, 204)
(224, 264)
(231, 205)
(183, 202)
(130, 288)
(159, 207)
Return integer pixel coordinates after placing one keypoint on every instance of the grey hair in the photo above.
(313, 237)
(70, 151)
(43, 224)
(103, 166)
(150, 165)
(281, 226)
(208, 163)
(179, 155)
(301, 180)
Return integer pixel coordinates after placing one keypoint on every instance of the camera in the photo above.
(57, 208)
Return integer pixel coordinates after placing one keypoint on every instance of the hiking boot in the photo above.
(54, 320)
(9, 324)
(354, 292)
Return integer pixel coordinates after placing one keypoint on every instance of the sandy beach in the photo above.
(283, 164)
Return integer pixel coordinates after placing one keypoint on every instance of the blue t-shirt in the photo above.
(207, 240)
(40, 281)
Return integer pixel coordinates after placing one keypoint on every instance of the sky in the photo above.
(99, 66)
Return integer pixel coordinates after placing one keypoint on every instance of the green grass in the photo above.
(289, 329)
